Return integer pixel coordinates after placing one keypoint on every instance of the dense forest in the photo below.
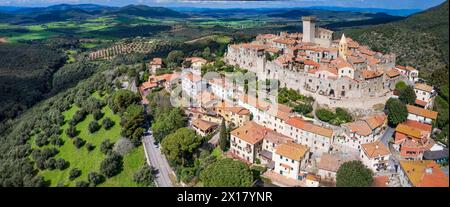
(25, 75)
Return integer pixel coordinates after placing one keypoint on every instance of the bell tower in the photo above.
(309, 28)
(343, 47)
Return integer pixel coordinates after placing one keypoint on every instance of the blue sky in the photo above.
(387, 4)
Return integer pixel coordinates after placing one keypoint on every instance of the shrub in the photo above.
(61, 164)
(107, 123)
(111, 165)
(145, 176)
(71, 131)
(106, 146)
(93, 126)
(303, 108)
(95, 178)
(98, 114)
(82, 184)
(90, 147)
(78, 142)
(74, 173)
(79, 116)
(325, 115)
(50, 163)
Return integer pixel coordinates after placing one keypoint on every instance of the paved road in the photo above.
(157, 160)
(393, 159)
(387, 134)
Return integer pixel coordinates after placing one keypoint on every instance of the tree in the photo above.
(74, 173)
(396, 111)
(132, 121)
(82, 184)
(121, 99)
(61, 164)
(223, 138)
(71, 131)
(106, 146)
(180, 146)
(407, 95)
(78, 142)
(107, 123)
(343, 115)
(325, 115)
(400, 85)
(90, 147)
(95, 178)
(111, 165)
(93, 126)
(354, 174)
(145, 176)
(98, 114)
(175, 57)
(303, 108)
(50, 163)
(227, 173)
(167, 122)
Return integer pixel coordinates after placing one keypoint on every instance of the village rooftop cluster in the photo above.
(303, 151)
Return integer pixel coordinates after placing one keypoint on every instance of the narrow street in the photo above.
(156, 159)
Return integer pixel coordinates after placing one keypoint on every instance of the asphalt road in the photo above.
(156, 159)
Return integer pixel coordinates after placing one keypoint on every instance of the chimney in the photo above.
(429, 170)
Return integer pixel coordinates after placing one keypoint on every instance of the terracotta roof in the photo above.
(424, 173)
(267, 36)
(419, 126)
(312, 63)
(156, 61)
(291, 150)
(375, 149)
(401, 67)
(255, 102)
(359, 127)
(408, 130)
(196, 59)
(193, 78)
(203, 125)
(410, 68)
(341, 63)
(392, 72)
(250, 132)
(284, 41)
(299, 123)
(332, 162)
(368, 74)
(276, 138)
(272, 50)
(148, 84)
(420, 102)
(424, 87)
(421, 112)
(380, 181)
(234, 109)
(375, 121)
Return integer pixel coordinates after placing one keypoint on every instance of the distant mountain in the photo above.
(146, 11)
(394, 12)
(421, 40)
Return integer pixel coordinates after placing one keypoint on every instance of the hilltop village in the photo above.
(330, 75)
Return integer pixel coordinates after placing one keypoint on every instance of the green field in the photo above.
(90, 161)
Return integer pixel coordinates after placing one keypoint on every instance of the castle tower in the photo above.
(343, 47)
(309, 28)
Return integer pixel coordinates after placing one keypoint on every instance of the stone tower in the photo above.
(343, 47)
(309, 28)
